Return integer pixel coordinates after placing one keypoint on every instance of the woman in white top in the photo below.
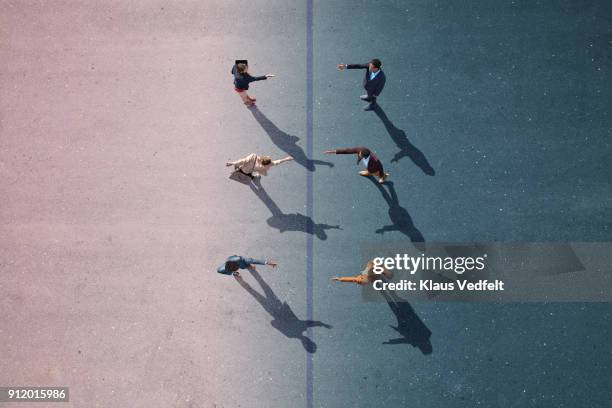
(256, 166)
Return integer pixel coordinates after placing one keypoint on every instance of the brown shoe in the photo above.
(383, 178)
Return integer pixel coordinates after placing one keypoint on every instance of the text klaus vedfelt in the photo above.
(413, 264)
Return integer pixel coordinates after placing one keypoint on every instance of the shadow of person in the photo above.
(240, 177)
(409, 325)
(286, 142)
(290, 222)
(283, 318)
(401, 220)
(402, 142)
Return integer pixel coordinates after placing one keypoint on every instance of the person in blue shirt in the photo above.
(235, 262)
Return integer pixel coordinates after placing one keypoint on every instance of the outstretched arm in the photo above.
(346, 279)
(387, 228)
(399, 155)
(261, 78)
(350, 150)
(252, 261)
(317, 323)
(281, 161)
(359, 279)
(342, 67)
(401, 340)
(257, 78)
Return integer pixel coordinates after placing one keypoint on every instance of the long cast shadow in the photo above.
(283, 318)
(400, 218)
(286, 142)
(402, 142)
(290, 222)
(411, 328)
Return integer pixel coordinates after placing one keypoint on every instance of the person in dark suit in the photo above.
(373, 82)
(367, 159)
(242, 79)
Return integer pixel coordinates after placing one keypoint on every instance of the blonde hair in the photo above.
(369, 271)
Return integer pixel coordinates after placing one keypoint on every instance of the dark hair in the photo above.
(363, 154)
(266, 160)
(241, 68)
(232, 266)
(376, 62)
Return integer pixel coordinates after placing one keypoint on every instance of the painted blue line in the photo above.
(309, 196)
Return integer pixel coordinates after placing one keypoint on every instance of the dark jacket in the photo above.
(375, 86)
(242, 81)
(374, 165)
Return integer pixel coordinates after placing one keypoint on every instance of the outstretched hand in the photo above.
(270, 75)
(329, 152)
(227, 164)
(272, 264)
(341, 67)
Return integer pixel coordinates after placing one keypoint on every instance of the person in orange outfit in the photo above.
(366, 277)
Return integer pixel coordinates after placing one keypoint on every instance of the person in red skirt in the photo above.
(371, 163)
(242, 79)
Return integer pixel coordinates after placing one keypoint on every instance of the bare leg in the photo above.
(245, 98)
(382, 177)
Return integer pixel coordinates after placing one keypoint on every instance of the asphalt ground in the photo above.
(115, 123)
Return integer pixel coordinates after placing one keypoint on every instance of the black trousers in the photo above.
(246, 174)
(370, 98)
